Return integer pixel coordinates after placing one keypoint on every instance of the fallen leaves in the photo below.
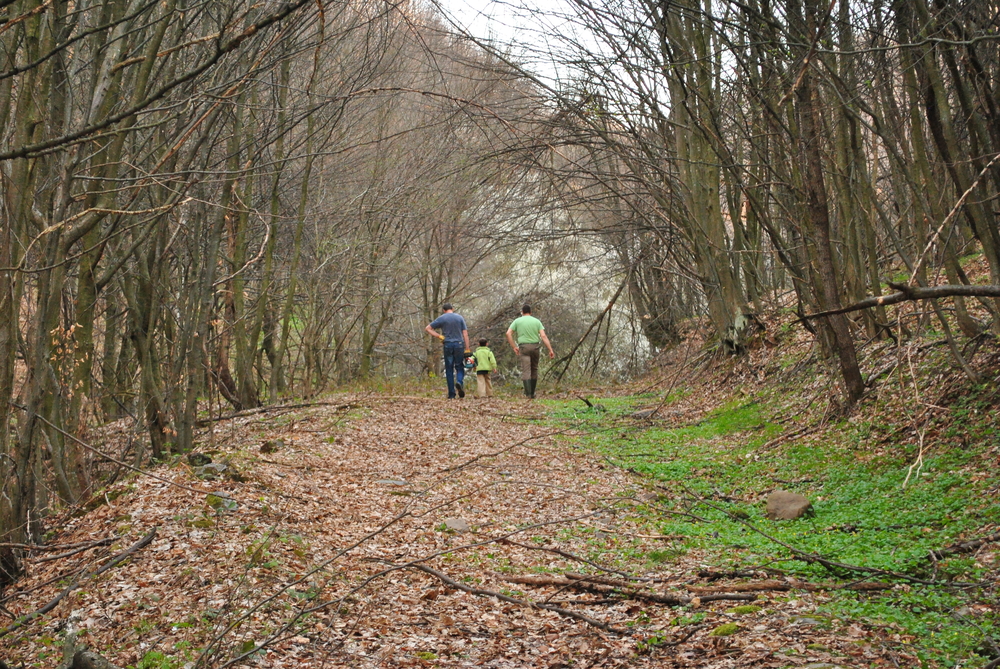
(316, 560)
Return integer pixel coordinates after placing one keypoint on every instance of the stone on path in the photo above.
(211, 471)
(784, 505)
(456, 524)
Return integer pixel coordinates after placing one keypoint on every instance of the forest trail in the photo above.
(335, 550)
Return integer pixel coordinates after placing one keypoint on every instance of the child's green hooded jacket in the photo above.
(485, 361)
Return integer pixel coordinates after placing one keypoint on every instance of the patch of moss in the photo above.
(203, 523)
(726, 629)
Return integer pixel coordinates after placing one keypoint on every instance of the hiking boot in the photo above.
(460, 389)
(533, 382)
(527, 388)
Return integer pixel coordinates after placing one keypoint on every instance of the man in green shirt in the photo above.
(524, 335)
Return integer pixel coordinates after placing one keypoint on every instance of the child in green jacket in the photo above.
(485, 363)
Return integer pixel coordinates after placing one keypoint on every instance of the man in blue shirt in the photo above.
(455, 336)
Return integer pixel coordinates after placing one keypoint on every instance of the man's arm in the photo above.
(434, 334)
(510, 339)
(545, 340)
(465, 335)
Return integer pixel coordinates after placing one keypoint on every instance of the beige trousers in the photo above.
(484, 385)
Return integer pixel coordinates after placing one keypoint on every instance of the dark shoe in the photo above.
(527, 388)
(533, 382)
(461, 391)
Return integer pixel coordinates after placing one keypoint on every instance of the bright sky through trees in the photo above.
(534, 34)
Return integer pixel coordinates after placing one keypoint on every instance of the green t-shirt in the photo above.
(527, 329)
(485, 362)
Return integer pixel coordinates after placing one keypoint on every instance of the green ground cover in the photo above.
(866, 512)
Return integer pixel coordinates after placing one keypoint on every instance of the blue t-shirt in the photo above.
(452, 325)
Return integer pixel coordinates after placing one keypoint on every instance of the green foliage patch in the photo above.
(880, 508)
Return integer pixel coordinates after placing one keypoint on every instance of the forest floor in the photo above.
(377, 530)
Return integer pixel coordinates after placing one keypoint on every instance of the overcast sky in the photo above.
(532, 31)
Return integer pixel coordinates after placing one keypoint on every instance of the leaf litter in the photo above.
(339, 549)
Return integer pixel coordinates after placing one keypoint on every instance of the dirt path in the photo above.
(372, 536)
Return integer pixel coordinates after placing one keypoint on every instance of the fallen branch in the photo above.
(603, 585)
(864, 586)
(787, 437)
(458, 585)
(964, 547)
(500, 452)
(79, 549)
(659, 537)
(274, 407)
(781, 586)
(20, 593)
(762, 586)
(572, 556)
(25, 619)
(56, 547)
(911, 293)
(716, 575)
(87, 659)
(603, 580)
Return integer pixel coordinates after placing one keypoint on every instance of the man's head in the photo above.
(526, 309)
(447, 307)
(484, 341)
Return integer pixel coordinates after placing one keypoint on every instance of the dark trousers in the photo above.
(529, 361)
(454, 366)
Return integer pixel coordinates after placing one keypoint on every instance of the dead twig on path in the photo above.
(498, 453)
(206, 653)
(458, 585)
(762, 586)
(572, 556)
(786, 437)
(964, 546)
(79, 549)
(676, 642)
(784, 586)
(58, 577)
(716, 575)
(600, 585)
(25, 619)
(56, 547)
(270, 409)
